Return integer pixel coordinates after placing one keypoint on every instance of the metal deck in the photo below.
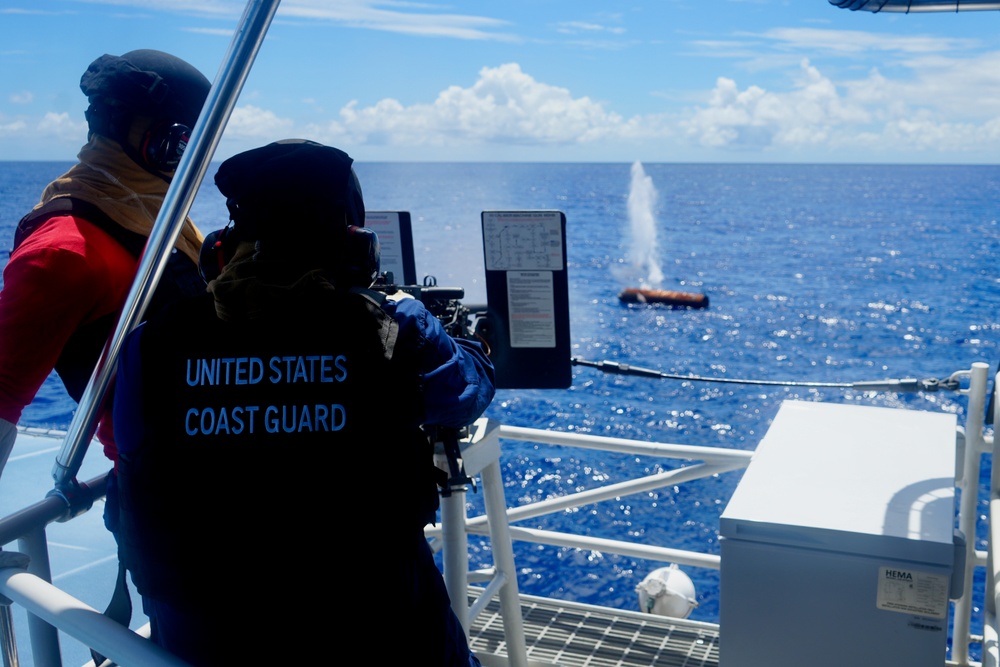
(577, 635)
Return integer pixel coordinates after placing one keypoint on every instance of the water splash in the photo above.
(644, 251)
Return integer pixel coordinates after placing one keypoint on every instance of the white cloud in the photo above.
(61, 126)
(508, 111)
(964, 88)
(578, 27)
(405, 18)
(862, 42)
(248, 122)
(219, 32)
(503, 105)
(24, 97)
(53, 136)
(756, 118)
(416, 19)
(874, 113)
(12, 128)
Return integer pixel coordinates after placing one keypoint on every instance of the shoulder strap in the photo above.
(180, 278)
(376, 297)
(389, 327)
(131, 241)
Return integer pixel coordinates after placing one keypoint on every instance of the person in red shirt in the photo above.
(75, 254)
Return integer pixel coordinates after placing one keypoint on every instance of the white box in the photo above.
(838, 545)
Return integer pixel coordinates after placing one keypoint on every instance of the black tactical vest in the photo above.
(289, 425)
(80, 354)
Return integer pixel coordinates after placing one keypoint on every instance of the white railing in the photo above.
(974, 442)
(713, 461)
(26, 580)
(967, 480)
(991, 629)
(30, 586)
(481, 455)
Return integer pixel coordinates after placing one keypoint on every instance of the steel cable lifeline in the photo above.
(903, 385)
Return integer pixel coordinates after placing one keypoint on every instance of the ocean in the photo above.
(815, 273)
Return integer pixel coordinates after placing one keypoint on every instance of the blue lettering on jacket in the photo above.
(250, 370)
(224, 371)
(304, 418)
(220, 421)
(310, 368)
(240, 419)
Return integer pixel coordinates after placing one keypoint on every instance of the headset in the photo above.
(359, 267)
(362, 257)
(216, 251)
(162, 144)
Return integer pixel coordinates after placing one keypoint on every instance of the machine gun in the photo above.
(459, 321)
(444, 303)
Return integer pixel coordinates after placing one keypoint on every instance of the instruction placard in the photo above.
(531, 309)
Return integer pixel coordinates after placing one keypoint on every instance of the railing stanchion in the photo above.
(45, 651)
(8, 641)
(975, 447)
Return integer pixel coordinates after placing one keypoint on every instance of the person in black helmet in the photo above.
(258, 422)
(75, 253)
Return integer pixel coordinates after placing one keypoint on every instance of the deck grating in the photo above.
(575, 635)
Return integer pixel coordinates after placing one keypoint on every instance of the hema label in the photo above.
(913, 592)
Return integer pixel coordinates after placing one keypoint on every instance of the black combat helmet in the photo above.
(152, 85)
(301, 201)
(293, 189)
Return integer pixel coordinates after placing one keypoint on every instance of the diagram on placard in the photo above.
(523, 240)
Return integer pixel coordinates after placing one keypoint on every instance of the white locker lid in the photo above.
(850, 478)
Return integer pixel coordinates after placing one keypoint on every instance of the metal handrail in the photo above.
(32, 591)
(968, 481)
(59, 609)
(495, 523)
(715, 460)
(991, 625)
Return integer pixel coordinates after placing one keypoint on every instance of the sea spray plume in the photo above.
(642, 198)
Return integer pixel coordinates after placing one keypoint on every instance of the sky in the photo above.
(794, 81)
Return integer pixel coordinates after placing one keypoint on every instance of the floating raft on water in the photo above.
(669, 297)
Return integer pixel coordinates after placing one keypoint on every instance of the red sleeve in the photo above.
(66, 274)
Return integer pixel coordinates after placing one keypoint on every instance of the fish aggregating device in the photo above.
(671, 298)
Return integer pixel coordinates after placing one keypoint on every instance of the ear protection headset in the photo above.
(361, 261)
(216, 251)
(162, 144)
(150, 85)
(362, 257)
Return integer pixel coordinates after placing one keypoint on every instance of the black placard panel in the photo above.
(395, 237)
(527, 324)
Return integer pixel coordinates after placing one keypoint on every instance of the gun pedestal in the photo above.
(480, 455)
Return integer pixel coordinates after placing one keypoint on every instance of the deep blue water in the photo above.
(815, 273)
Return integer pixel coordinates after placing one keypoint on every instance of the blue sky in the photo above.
(541, 80)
